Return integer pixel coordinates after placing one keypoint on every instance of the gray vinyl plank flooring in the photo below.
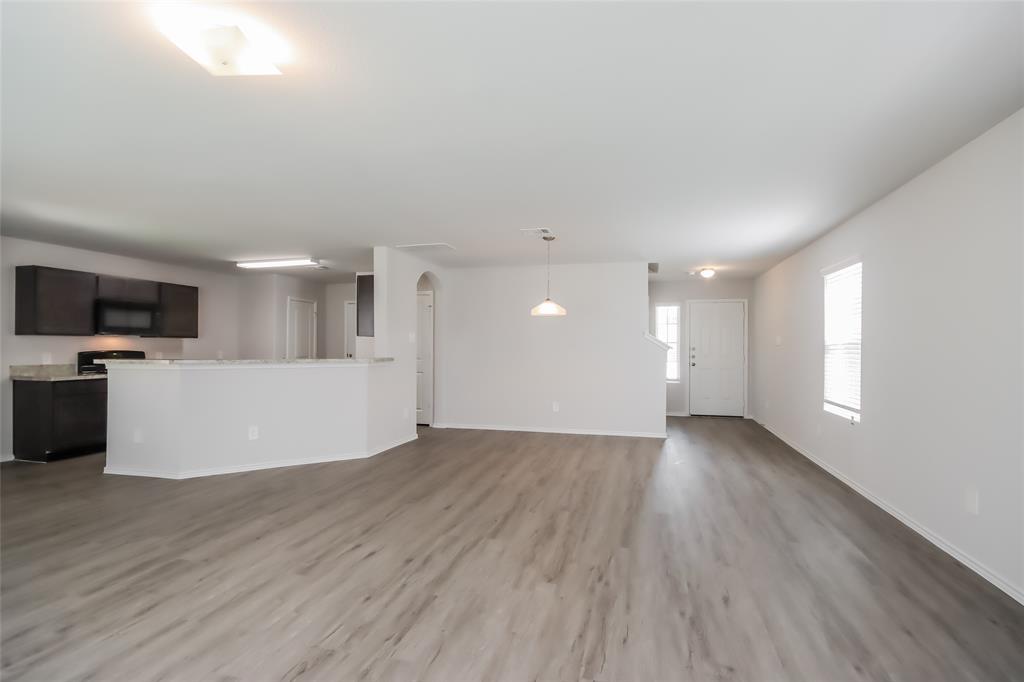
(719, 554)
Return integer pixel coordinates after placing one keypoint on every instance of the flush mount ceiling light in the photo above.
(280, 263)
(223, 41)
(707, 273)
(547, 307)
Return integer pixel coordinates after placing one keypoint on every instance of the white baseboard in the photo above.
(393, 444)
(544, 429)
(257, 466)
(901, 516)
(148, 473)
(6, 457)
(687, 414)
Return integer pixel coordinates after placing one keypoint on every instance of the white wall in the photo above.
(257, 319)
(218, 313)
(680, 292)
(302, 413)
(333, 317)
(264, 305)
(943, 357)
(285, 286)
(497, 367)
(506, 368)
(392, 394)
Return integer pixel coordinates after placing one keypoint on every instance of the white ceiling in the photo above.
(688, 134)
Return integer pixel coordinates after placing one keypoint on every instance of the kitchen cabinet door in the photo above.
(179, 311)
(54, 301)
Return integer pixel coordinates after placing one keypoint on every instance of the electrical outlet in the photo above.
(254, 432)
(778, 340)
(47, 358)
(555, 407)
(220, 355)
(972, 501)
(137, 436)
(412, 337)
(405, 413)
(159, 355)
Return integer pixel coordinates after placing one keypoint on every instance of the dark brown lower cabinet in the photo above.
(55, 419)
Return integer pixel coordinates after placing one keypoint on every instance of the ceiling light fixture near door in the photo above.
(707, 273)
(224, 42)
(279, 263)
(547, 307)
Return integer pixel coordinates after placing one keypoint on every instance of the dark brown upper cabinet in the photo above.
(364, 305)
(127, 290)
(53, 301)
(179, 311)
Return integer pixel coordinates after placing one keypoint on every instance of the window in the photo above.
(666, 328)
(842, 342)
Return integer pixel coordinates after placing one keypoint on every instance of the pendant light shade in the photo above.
(547, 307)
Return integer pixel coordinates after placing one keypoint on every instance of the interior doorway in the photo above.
(300, 341)
(424, 351)
(717, 357)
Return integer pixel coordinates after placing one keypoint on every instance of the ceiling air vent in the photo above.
(536, 231)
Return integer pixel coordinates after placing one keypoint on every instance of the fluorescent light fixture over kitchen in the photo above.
(280, 263)
(223, 41)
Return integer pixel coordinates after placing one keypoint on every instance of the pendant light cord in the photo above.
(548, 297)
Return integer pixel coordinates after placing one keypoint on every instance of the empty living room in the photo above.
(525, 340)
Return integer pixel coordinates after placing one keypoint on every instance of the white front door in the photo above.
(350, 329)
(717, 357)
(301, 339)
(425, 357)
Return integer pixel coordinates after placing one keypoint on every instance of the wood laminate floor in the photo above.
(475, 555)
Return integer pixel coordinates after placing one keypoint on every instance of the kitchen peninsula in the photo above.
(188, 418)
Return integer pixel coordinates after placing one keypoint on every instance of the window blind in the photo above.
(843, 341)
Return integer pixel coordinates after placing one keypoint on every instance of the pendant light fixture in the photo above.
(547, 307)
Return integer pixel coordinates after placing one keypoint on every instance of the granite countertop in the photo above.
(51, 373)
(198, 363)
(70, 372)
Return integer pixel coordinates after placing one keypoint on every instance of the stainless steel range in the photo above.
(87, 359)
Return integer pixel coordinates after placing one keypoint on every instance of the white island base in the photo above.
(187, 418)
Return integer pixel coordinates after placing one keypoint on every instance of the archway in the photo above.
(426, 349)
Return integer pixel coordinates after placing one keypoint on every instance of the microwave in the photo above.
(127, 318)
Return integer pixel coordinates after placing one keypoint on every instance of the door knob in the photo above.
(693, 364)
